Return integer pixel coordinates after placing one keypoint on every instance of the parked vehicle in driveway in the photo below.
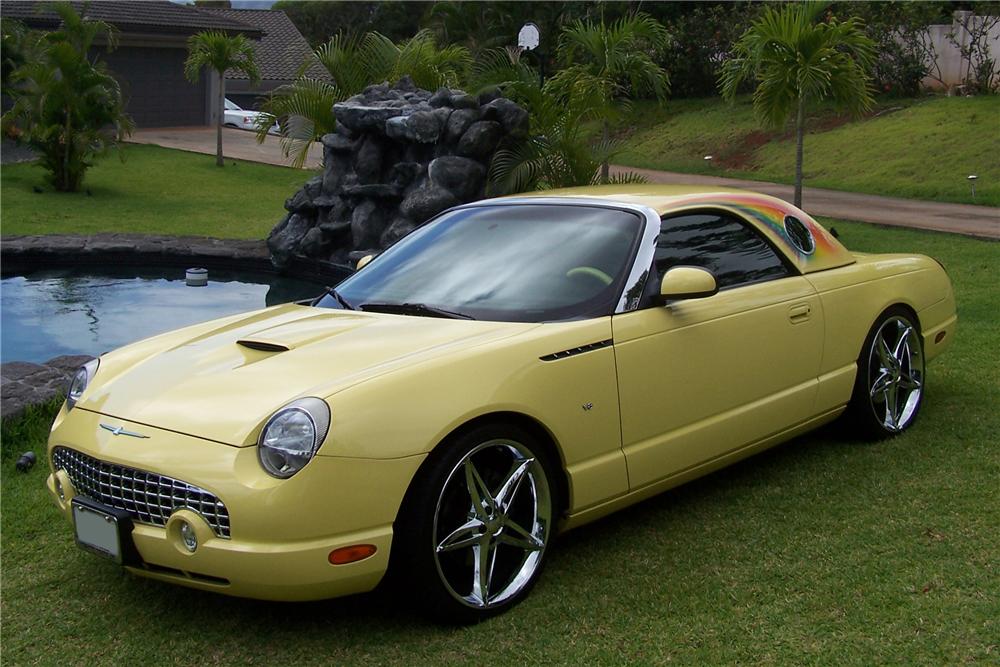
(514, 368)
(243, 119)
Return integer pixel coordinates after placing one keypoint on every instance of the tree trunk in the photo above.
(605, 167)
(63, 181)
(800, 130)
(219, 162)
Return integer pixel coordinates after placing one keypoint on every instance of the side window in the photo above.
(722, 243)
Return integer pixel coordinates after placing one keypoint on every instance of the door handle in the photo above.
(799, 313)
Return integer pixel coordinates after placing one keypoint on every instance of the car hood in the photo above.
(222, 380)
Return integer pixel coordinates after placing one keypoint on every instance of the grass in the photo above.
(919, 149)
(821, 551)
(154, 191)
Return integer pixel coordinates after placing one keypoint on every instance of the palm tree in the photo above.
(609, 63)
(797, 60)
(352, 64)
(220, 52)
(66, 105)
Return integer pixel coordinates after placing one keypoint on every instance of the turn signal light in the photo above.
(345, 555)
(939, 337)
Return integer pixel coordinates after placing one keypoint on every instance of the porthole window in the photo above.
(799, 235)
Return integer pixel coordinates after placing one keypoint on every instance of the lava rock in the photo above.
(312, 243)
(373, 190)
(462, 176)
(420, 205)
(440, 98)
(481, 139)
(368, 161)
(459, 122)
(284, 239)
(338, 143)
(421, 126)
(463, 101)
(367, 224)
(404, 173)
(396, 230)
(512, 117)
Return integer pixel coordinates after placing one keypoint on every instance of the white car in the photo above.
(245, 120)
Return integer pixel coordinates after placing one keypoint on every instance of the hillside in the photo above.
(920, 149)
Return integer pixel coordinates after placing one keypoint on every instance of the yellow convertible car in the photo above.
(514, 368)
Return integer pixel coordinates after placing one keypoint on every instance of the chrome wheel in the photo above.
(895, 373)
(492, 522)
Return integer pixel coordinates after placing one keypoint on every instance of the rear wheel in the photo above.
(478, 523)
(889, 387)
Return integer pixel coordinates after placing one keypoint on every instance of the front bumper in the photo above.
(282, 531)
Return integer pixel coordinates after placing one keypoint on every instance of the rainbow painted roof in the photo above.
(765, 212)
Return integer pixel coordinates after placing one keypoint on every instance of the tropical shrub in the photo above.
(66, 106)
(352, 64)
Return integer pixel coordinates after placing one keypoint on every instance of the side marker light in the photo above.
(352, 554)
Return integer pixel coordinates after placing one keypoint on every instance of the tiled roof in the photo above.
(280, 51)
(142, 16)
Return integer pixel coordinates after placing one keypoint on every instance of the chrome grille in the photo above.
(146, 496)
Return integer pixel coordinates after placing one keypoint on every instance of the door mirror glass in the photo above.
(687, 282)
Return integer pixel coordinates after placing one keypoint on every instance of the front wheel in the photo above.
(478, 523)
(890, 384)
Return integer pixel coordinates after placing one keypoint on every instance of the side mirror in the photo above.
(687, 282)
(363, 261)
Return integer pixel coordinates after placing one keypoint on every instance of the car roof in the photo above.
(766, 213)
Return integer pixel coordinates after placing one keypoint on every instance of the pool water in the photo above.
(81, 311)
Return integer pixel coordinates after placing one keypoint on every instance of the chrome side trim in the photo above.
(577, 350)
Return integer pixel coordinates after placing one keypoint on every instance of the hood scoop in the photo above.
(263, 345)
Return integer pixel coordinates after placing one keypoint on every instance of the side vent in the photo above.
(263, 346)
(555, 356)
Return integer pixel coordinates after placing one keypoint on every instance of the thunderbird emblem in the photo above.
(120, 430)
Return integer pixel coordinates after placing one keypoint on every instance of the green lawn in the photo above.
(920, 149)
(822, 551)
(154, 191)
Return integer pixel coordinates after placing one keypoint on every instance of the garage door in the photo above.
(153, 83)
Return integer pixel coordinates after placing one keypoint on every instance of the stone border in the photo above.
(23, 383)
(20, 254)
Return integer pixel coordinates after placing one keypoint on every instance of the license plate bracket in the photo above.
(104, 531)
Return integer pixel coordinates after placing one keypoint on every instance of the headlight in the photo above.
(80, 382)
(292, 435)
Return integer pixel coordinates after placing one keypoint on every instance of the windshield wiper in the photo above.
(341, 300)
(414, 309)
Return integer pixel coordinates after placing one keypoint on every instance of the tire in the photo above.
(888, 390)
(475, 527)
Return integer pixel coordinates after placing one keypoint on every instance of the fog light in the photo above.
(59, 490)
(188, 537)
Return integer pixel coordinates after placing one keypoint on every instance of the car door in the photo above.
(703, 377)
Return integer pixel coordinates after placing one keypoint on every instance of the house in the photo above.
(280, 52)
(149, 60)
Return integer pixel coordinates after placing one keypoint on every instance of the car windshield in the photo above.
(515, 262)
(231, 106)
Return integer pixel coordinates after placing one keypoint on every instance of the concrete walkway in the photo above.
(980, 221)
(238, 144)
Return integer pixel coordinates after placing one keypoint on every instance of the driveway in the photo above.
(238, 144)
(981, 221)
